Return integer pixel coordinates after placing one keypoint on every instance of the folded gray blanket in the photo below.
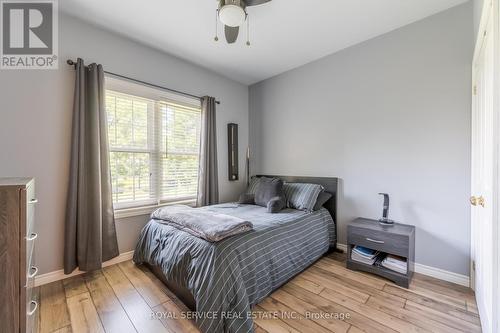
(210, 226)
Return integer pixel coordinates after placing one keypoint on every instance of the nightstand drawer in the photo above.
(379, 240)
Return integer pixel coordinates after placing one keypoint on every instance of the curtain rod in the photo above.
(72, 63)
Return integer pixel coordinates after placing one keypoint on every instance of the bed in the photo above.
(222, 281)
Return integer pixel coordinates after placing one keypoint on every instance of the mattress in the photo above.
(228, 277)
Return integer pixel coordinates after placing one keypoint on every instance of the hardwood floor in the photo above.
(121, 298)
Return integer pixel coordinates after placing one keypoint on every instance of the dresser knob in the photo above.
(35, 271)
(33, 201)
(34, 306)
(31, 237)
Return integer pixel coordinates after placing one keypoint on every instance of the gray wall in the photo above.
(35, 122)
(389, 115)
(478, 10)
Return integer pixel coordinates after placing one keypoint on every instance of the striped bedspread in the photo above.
(228, 277)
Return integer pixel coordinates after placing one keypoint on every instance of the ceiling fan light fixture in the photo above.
(232, 15)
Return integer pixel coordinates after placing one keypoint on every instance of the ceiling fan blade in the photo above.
(255, 2)
(231, 33)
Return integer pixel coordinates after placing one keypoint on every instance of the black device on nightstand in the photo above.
(385, 210)
(396, 239)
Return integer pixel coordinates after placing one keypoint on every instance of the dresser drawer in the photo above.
(379, 240)
(31, 274)
(31, 202)
(29, 296)
(29, 260)
(30, 250)
(32, 308)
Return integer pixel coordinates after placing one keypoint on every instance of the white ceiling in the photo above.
(284, 33)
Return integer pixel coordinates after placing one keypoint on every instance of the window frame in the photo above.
(154, 148)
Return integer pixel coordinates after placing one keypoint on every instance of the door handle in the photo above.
(475, 201)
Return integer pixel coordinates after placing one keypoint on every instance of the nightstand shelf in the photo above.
(397, 239)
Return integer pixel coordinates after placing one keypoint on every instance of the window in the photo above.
(154, 139)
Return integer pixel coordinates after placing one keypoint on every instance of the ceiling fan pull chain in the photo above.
(216, 25)
(248, 30)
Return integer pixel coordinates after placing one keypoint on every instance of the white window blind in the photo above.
(154, 145)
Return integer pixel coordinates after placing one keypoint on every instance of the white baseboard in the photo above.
(434, 272)
(59, 275)
(342, 247)
(441, 274)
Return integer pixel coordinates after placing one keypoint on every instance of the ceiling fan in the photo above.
(233, 14)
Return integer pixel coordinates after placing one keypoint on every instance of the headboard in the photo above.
(330, 184)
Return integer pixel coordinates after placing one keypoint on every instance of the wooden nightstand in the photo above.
(397, 239)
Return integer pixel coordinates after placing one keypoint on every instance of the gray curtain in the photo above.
(90, 235)
(208, 183)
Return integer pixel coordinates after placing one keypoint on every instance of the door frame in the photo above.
(491, 10)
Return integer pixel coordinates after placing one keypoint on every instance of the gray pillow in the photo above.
(275, 204)
(322, 198)
(247, 198)
(302, 196)
(252, 186)
(267, 189)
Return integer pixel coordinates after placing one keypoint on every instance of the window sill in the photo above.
(147, 210)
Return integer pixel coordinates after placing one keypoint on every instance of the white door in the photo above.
(484, 186)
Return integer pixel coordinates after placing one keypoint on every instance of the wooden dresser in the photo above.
(18, 303)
